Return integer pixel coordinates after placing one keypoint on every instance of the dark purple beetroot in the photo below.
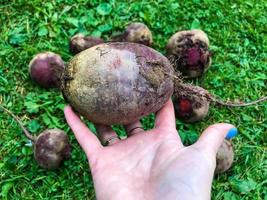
(188, 50)
(117, 83)
(135, 32)
(46, 69)
(224, 157)
(79, 42)
(191, 106)
(51, 147)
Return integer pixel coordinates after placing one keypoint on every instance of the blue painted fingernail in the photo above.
(231, 133)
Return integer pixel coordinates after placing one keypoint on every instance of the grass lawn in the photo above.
(238, 35)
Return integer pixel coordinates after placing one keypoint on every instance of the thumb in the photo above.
(212, 138)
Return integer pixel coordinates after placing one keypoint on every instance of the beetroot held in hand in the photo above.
(117, 83)
(135, 32)
(46, 69)
(224, 157)
(188, 50)
(51, 147)
(79, 42)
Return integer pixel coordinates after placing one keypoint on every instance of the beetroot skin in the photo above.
(188, 50)
(117, 83)
(79, 42)
(46, 69)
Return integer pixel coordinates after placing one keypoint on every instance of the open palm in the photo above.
(150, 164)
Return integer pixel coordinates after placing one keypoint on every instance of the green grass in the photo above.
(238, 37)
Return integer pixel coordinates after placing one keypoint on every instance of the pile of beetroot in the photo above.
(121, 80)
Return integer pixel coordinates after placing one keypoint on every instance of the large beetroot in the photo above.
(117, 83)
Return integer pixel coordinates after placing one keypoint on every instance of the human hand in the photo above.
(150, 164)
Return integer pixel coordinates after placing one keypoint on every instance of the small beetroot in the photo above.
(135, 32)
(188, 50)
(190, 106)
(46, 69)
(51, 147)
(224, 157)
(80, 42)
(191, 103)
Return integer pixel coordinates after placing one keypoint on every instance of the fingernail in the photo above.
(231, 133)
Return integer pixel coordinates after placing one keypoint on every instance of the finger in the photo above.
(165, 117)
(88, 141)
(106, 135)
(134, 128)
(165, 120)
(212, 138)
